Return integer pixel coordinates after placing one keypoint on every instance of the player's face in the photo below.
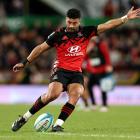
(72, 24)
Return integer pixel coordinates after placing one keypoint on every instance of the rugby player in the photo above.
(70, 43)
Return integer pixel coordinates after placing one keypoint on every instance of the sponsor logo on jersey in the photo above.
(74, 51)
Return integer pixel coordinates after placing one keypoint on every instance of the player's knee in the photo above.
(76, 94)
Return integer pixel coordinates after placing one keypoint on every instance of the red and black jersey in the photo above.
(98, 58)
(71, 46)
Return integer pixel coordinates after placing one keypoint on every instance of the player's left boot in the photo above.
(57, 129)
(18, 123)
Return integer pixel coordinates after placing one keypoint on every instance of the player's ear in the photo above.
(79, 21)
(67, 18)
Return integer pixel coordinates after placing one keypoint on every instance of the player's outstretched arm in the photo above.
(32, 56)
(37, 51)
(132, 14)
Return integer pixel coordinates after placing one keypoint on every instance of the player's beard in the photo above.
(71, 29)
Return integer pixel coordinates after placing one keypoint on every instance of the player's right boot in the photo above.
(18, 123)
(57, 129)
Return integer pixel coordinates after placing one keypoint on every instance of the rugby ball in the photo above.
(43, 122)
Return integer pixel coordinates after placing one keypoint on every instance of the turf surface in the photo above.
(120, 123)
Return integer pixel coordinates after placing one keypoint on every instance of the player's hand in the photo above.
(132, 14)
(18, 67)
(109, 68)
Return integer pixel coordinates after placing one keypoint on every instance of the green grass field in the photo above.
(120, 123)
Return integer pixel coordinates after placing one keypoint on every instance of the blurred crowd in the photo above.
(12, 8)
(110, 8)
(118, 7)
(124, 46)
(15, 47)
(124, 50)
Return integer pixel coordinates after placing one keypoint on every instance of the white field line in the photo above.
(95, 135)
(73, 134)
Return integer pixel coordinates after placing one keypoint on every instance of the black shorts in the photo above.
(67, 77)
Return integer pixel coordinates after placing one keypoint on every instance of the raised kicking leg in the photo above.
(54, 90)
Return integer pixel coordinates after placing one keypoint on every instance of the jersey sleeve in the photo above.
(90, 31)
(52, 39)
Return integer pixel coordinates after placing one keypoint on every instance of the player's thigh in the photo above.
(75, 90)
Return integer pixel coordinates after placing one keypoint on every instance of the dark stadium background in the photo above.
(27, 23)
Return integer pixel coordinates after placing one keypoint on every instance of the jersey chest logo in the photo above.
(74, 49)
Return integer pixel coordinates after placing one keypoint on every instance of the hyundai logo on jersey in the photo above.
(74, 49)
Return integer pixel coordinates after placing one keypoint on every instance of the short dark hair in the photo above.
(73, 13)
